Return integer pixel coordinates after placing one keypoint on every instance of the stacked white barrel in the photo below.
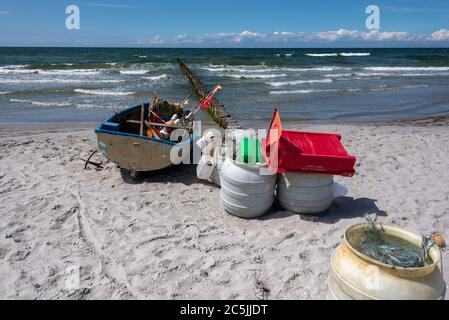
(305, 193)
(244, 190)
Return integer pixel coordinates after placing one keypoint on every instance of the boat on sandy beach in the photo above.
(133, 139)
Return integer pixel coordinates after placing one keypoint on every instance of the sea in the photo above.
(310, 85)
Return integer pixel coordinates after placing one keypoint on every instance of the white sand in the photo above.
(166, 235)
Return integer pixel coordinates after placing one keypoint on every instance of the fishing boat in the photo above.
(128, 138)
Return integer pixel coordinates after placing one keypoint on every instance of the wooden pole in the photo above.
(142, 115)
(216, 110)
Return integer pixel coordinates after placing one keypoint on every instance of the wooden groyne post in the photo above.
(216, 110)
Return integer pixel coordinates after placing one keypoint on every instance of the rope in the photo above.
(385, 249)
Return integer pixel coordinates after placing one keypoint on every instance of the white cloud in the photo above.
(374, 35)
(247, 35)
(337, 35)
(341, 36)
(180, 37)
(440, 35)
(283, 34)
(377, 35)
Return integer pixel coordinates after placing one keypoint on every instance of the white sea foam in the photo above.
(355, 54)
(261, 69)
(131, 72)
(384, 87)
(377, 88)
(4, 92)
(92, 106)
(103, 92)
(313, 69)
(338, 75)
(70, 72)
(343, 54)
(373, 74)
(296, 82)
(303, 91)
(160, 77)
(18, 71)
(24, 81)
(284, 54)
(392, 74)
(220, 69)
(254, 76)
(41, 103)
(407, 68)
(322, 54)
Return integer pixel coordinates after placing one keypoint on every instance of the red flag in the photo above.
(207, 100)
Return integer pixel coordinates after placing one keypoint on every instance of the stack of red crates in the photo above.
(306, 152)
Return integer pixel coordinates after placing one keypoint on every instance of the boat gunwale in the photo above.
(98, 129)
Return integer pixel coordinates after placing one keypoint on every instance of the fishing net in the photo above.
(388, 250)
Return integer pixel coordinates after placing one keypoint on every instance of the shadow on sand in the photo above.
(185, 174)
(341, 208)
(347, 208)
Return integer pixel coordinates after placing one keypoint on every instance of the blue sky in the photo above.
(230, 23)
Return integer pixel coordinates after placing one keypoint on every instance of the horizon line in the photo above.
(140, 47)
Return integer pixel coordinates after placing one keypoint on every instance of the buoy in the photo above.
(439, 240)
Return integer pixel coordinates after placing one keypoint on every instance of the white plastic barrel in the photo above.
(244, 191)
(305, 193)
(354, 275)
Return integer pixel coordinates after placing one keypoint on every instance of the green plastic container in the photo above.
(249, 151)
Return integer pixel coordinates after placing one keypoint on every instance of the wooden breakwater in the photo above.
(216, 110)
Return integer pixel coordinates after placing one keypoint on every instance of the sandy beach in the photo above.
(166, 235)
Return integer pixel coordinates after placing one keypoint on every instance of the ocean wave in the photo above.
(261, 69)
(407, 68)
(338, 75)
(373, 74)
(70, 72)
(160, 77)
(41, 103)
(93, 106)
(313, 69)
(322, 54)
(284, 54)
(254, 76)
(385, 74)
(303, 91)
(103, 92)
(4, 92)
(24, 81)
(354, 54)
(131, 72)
(385, 87)
(221, 69)
(296, 82)
(20, 69)
(348, 90)
(343, 54)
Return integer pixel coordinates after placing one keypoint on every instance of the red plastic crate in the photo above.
(307, 152)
